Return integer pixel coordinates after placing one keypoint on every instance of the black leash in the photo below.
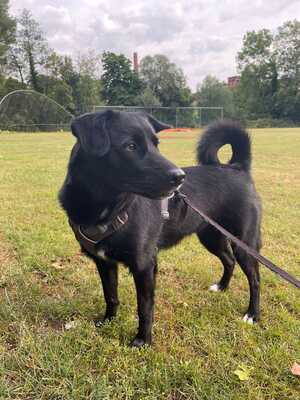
(263, 260)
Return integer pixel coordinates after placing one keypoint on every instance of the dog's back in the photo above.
(226, 192)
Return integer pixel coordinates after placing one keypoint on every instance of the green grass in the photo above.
(199, 338)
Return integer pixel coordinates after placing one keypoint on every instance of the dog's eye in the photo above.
(131, 147)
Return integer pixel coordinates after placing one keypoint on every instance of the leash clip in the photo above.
(179, 194)
(165, 208)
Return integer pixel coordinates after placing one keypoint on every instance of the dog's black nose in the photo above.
(176, 176)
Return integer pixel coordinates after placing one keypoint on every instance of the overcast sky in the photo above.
(202, 37)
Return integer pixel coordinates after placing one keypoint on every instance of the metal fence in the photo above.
(30, 111)
(179, 117)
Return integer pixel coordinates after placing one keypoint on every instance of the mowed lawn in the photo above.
(50, 294)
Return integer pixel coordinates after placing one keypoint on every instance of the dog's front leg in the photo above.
(144, 279)
(108, 271)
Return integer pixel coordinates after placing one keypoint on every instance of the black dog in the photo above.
(115, 182)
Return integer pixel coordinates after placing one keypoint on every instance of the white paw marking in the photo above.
(248, 320)
(214, 288)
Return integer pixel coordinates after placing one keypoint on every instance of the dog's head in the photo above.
(122, 149)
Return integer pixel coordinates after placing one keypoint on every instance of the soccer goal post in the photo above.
(179, 117)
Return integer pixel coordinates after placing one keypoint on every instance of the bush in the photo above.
(269, 123)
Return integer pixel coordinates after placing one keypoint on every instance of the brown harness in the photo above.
(90, 237)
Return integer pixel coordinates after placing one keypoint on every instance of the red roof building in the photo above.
(233, 81)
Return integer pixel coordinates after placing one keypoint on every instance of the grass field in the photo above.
(199, 338)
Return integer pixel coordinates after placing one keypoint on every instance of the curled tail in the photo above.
(219, 134)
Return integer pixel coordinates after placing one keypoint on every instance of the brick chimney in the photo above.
(135, 62)
(233, 81)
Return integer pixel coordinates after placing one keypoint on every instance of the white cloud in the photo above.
(201, 37)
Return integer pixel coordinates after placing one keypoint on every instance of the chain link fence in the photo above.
(30, 111)
(178, 117)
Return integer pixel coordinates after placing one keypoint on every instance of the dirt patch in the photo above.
(60, 263)
(7, 253)
(55, 325)
(7, 258)
(177, 137)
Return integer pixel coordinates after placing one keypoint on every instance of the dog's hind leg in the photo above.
(108, 271)
(144, 279)
(251, 269)
(218, 245)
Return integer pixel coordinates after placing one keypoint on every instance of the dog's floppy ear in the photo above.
(91, 132)
(157, 125)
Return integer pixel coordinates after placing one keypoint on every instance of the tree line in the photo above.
(268, 64)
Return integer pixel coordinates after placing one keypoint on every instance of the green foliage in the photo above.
(256, 50)
(7, 31)
(269, 123)
(287, 44)
(30, 50)
(165, 80)
(259, 74)
(9, 85)
(147, 98)
(120, 85)
(270, 74)
(214, 93)
(57, 90)
(88, 92)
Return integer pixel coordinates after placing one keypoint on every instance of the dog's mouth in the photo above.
(165, 195)
(151, 191)
(162, 195)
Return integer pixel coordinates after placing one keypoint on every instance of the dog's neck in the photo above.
(91, 201)
(85, 207)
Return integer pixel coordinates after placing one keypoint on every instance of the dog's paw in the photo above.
(215, 288)
(101, 321)
(249, 319)
(138, 342)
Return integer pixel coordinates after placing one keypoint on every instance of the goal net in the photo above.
(29, 111)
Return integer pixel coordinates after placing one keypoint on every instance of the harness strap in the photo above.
(90, 236)
(263, 260)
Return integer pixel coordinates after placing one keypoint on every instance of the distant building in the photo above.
(135, 62)
(233, 81)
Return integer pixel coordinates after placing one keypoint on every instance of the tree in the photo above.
(8, 85)
(166, 81)
(30, 51)
(52, 84)
(270, 73)
(248, 100)
(147, 98)
(257, 63)
(87, 90)
(88, 64)
(120, 85)
(7, 31)
(214, 93)
(7, 37)
(287, 45)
